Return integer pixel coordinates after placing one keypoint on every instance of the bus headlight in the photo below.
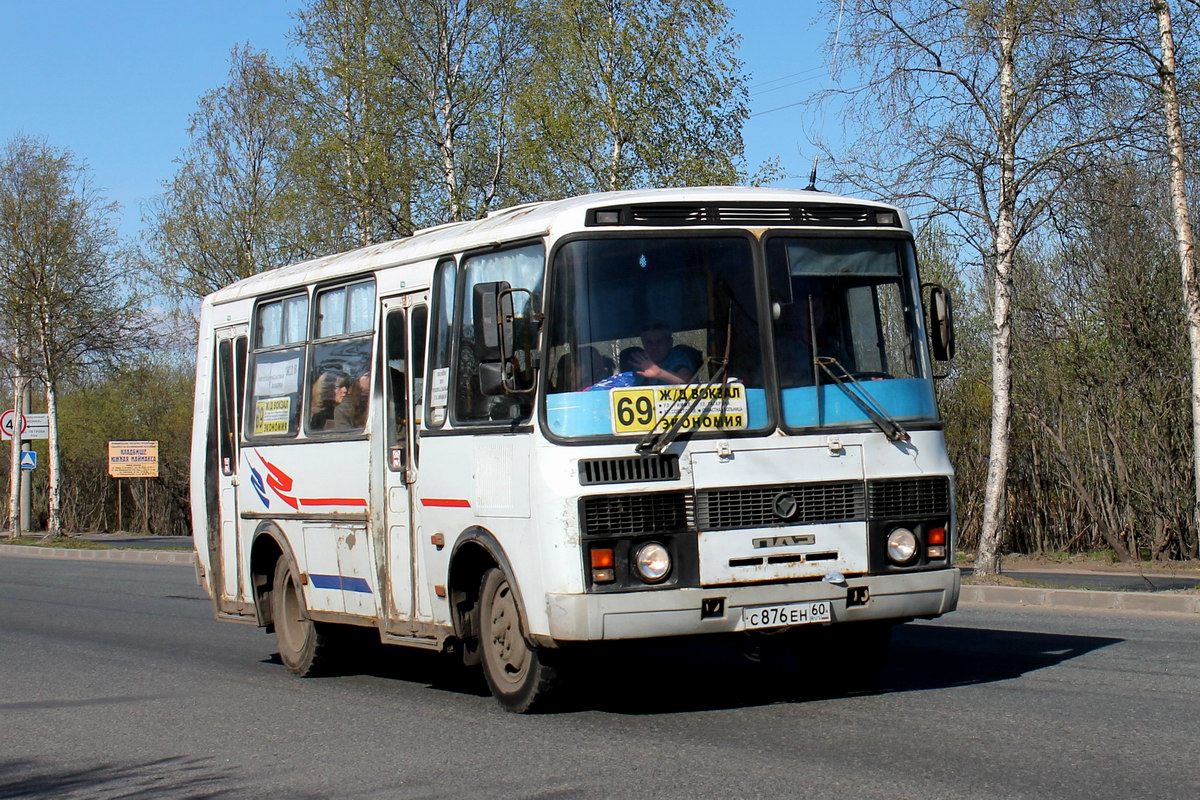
(901, 546)
(652, 562)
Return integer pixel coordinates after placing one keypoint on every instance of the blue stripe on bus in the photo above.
(346, 584)
(902, 398)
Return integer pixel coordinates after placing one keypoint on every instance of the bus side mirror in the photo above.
(518, 340)
(941, 323)
(486, 318)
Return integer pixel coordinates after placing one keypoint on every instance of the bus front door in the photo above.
(225, 553)
(403, 365)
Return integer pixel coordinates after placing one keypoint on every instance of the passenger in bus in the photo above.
(351, 411)
(328, 390)
(661, 361)
(581, 369)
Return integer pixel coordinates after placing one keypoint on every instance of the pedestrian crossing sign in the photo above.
(28, 459)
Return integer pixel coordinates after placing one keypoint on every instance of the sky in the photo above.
(114, 81)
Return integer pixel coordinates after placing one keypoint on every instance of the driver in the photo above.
(661, 361)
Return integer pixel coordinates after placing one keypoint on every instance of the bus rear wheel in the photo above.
(303, 644)
(516, 672)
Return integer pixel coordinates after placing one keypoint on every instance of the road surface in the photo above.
(115, 681)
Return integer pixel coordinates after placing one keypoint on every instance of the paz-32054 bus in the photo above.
(620, 416)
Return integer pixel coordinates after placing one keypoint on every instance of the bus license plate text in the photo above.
(786, 615)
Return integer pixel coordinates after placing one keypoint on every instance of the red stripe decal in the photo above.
(333, 501)
(442, 503)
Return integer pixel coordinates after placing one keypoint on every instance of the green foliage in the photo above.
(626, 95)
(144, 400)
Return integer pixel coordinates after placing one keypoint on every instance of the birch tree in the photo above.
(62, 278)
(228, 211)
(457, 65)
(633, 94)
(978, 113)
(352, 148)
(1185, 243)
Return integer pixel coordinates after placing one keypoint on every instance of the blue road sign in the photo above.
(28, 459)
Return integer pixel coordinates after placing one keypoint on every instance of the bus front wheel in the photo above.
(303, 644)
(516, 672)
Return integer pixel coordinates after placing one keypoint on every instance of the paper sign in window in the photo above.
(276, 378)
(272, 415)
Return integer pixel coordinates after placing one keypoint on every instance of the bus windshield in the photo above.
(637, 326)
(846, 310)
(651, 313)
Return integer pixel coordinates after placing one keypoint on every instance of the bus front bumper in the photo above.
(678, 612)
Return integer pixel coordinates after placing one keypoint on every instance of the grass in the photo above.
(62, 541)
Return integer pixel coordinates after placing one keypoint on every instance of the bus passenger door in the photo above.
(404, 324)
(230, 363)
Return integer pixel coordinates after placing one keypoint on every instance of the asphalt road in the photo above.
(115, 681)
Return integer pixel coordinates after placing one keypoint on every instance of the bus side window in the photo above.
(277, 367)
(438, 383)
(419, 317)
(225, 390)
(397, 401)
(339, 380)
(522, 268)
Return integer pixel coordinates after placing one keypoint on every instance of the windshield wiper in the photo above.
(657, 442)
(869, 405)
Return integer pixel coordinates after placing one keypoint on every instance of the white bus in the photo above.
(621, 416)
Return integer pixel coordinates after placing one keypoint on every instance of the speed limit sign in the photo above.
(8, 422)
(30, 426)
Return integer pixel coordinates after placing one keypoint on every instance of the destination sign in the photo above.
(657, 408)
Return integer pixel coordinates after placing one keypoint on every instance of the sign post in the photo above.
(27, 427)
(134, 459)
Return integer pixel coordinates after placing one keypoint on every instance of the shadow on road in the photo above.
(700, 677)
(436, 671)
(196, 778)
(703, 674)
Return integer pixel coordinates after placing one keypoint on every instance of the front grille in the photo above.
(634, 514)
(909, 498)
(633, 469)
(754, 506)
(680, 214)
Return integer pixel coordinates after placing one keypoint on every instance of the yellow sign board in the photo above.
(656, 408)
(272, 415)
(133, 459)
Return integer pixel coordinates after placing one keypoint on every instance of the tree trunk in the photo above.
(987, 560)
(53, 464)
(1183, 229)
(14, 465)
(53, 460)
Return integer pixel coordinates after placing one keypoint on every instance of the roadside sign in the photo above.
(33, 426)
(28, 459)
(133, 459)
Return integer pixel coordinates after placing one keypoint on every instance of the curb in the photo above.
(128, 555)
(1163, 603)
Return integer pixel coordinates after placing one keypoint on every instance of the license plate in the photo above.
(760, 617)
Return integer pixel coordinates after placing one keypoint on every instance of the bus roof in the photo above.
(515, 223)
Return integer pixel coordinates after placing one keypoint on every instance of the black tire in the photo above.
(517, 673)
(304, 645)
